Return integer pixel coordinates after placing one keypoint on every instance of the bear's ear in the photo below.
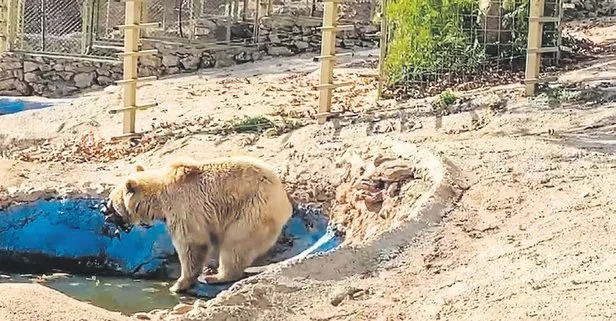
(131, 186)
(139, 168)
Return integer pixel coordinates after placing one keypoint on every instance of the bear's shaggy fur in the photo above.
(235, 204)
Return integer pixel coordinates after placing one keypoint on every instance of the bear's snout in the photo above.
(113, 217)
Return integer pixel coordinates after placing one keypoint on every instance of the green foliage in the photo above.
(436, 36)
(425, 34)
(250, 124)
(447, 97)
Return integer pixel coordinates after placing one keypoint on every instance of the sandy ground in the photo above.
(36, 302)
(530, 239)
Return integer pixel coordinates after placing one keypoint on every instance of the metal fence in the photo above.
(48, 26)
(462, 44)
(208, 21)
(89, 27)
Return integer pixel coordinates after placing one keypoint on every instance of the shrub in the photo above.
(436, 36)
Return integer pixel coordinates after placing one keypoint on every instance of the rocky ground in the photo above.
(530, 237)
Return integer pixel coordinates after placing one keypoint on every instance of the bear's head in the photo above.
(123, 207)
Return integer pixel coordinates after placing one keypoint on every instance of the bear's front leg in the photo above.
(192, 259)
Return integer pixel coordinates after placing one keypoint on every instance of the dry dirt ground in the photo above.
(529, 239)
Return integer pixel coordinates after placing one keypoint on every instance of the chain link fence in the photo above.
(50, 26)
(207, 21)
(90, 26)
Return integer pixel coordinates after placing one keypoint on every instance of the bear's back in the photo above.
(224, 185)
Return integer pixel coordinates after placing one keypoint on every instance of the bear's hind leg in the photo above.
(192, 259)
(238, 253)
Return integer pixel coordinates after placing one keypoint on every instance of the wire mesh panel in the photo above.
(174, 16)
(109, 14)
(460, 44)
(51, 26)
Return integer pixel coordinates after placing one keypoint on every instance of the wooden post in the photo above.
(12, 21)
(229, 14)
(244, 10)
(328, 48)
(21, 9)
(260, 12)
(86, 25)
(328, 59)
(131, 38)
(145, 16)
(533, 59)
(383, 48)
(132, 25)
(4, 25)
(559, 40)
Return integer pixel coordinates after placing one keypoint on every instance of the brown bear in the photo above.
(237, 205)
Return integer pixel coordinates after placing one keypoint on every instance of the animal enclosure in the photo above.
(464, 43)
(90, 26)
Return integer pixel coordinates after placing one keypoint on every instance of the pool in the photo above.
(11, 105)
(62, 241)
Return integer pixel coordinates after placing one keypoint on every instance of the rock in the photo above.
(103, 71)
(339, 295)
(112, 89)
(158, 314)
(270, 132)
(257, 55)
(85, 69)
(170, 60)
(182, 308)
(30, 66)
(190, 63)
(141, 316)
(67, 76)
(207, 60)
(31, 77)
(243, 57)
(105, 81)
(151, 61)
(222, 59)
(7, 84)
(146, 72)
(6, 74)
(172, 71)
(279, 51)
(18, 73)
(302, 45)
(199, 304)
(9, 65)
(84, 79)
(273, 38)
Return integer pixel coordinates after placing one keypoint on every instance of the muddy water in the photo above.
(112, 293)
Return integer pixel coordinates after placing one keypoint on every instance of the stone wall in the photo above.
(591, 8)
(24, 74)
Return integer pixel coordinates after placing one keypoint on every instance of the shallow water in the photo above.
(112, 293)
(67, 235)
(11, 106)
